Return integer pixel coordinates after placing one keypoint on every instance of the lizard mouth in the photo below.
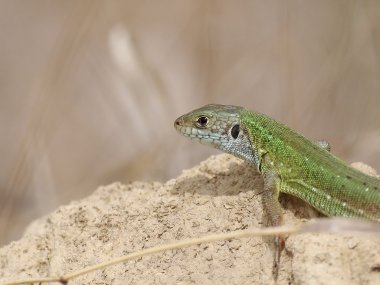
(181, 127)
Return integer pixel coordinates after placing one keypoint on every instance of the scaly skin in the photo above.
(288, 161)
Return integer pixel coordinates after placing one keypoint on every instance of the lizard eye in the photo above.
(235, 131)
(202, 121)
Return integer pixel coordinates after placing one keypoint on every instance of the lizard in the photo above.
(288, 162)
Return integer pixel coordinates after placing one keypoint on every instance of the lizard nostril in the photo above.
(177, 123)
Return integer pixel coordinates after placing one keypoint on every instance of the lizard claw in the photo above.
(279, 245)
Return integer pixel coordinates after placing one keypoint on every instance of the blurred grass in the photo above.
(90, 89)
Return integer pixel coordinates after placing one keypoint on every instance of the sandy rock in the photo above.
(221, 194)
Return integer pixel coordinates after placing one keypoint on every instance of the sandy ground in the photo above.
(221, 194)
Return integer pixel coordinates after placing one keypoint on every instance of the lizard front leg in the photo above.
(273, 210)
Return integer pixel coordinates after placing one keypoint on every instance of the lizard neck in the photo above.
(243, 148)
(241, 145)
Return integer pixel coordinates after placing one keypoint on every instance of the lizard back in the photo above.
(312, 173)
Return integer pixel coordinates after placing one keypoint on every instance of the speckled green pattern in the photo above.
(310, 172)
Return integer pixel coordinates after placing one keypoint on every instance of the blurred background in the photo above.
(89, 90)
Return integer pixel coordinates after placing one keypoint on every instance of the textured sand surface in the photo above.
(221, 194)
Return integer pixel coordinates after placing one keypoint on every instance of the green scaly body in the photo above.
(311, 173)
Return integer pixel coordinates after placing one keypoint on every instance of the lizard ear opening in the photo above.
(235, 130)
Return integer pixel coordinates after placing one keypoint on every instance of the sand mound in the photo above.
(221, 194)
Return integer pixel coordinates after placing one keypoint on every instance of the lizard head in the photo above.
(218, 126)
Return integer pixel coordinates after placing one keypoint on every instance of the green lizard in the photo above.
(288, 162)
